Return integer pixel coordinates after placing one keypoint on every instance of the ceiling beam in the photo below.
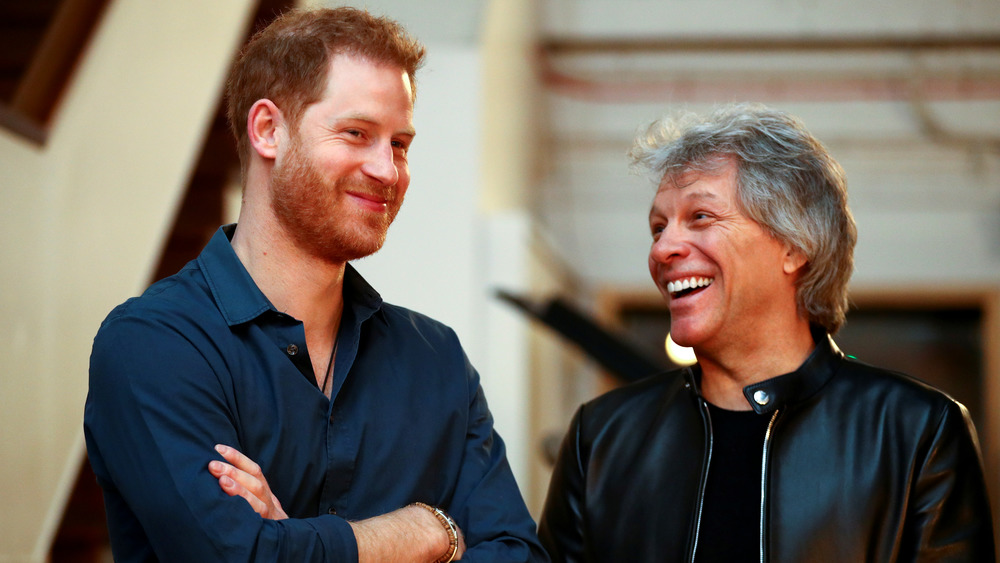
(590, 45)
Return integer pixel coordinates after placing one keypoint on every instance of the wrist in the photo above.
(449, 527)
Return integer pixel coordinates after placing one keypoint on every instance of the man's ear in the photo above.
(264, 122)
(794, 260)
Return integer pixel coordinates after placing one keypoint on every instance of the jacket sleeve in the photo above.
(154, 411)
(561, 528)
(487, 504)
(949, 516)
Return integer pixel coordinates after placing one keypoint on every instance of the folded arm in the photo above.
(410, 533)
(151, 432)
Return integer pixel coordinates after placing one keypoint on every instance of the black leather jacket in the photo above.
(860, 464)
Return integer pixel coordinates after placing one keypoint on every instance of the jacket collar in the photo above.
(771, 394)
(240, 300)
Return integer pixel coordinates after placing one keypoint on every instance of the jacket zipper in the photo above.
(763, 487)
(704, 479)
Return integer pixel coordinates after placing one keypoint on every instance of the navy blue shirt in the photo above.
(202, 358)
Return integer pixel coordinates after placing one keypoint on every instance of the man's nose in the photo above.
(670, 244)
(381, 164)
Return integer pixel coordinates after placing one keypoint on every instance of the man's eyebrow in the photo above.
(409, 131)
(701, 194)
(690, 195)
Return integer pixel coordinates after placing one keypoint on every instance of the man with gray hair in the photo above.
(774, 446)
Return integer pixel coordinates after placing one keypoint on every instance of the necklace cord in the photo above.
(329, 367)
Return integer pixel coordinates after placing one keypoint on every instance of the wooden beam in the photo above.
(53, 63)
(578, 46)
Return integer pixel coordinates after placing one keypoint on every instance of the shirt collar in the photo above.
(360, 295)
(240, 300)
(238, 297)
(769, 395)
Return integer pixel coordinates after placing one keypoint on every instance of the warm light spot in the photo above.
(679, 354)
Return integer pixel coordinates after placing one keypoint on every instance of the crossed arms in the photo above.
(410, 533)
(158, 405)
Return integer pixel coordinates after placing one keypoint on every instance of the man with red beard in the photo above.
(775, 446)
(264, 403)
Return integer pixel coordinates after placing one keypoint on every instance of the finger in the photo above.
(248, 481)
(240, 461)
(219, 468)
(254, 484)
(225, 474)
(275, 512)
(233, 488)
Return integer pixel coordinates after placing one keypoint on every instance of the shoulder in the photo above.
(637, 402)
(409, 323)
(180, 304)
(167, 345)
(175, 293)
(898, 395)
(889, 384)
(415, 339)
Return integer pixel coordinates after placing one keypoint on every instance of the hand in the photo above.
(460, 548)
(432, 528)
(461, 543)
(410, 534)
(242, 477)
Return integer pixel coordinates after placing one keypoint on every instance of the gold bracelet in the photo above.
(449, 527)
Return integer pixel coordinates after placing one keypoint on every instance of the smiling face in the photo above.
(725, 278)
(340, 181)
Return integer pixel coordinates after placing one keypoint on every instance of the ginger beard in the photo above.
(315, 211)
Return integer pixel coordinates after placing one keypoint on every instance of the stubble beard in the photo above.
(306, 206)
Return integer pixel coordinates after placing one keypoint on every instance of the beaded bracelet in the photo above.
(449, 526)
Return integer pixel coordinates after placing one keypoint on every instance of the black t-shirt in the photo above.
(730, 517)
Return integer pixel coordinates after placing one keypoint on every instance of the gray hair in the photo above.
(786, 181)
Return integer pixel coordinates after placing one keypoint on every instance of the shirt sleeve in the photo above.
(154, 412)
(949, 517)
(487, 504)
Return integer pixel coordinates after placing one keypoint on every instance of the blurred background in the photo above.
(523, 228)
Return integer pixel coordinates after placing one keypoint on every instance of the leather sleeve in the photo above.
(949, 515)
(561, 527)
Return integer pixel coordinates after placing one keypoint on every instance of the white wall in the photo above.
(464, 231)
(445, 257)
(81, 224)
(428, 261)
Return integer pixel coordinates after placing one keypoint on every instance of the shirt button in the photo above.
(761, 397)
(332, 510)
(292, 349)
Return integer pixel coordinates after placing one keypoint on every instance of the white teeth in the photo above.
(688, 283)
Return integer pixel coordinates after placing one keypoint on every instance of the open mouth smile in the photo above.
(687, 286)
